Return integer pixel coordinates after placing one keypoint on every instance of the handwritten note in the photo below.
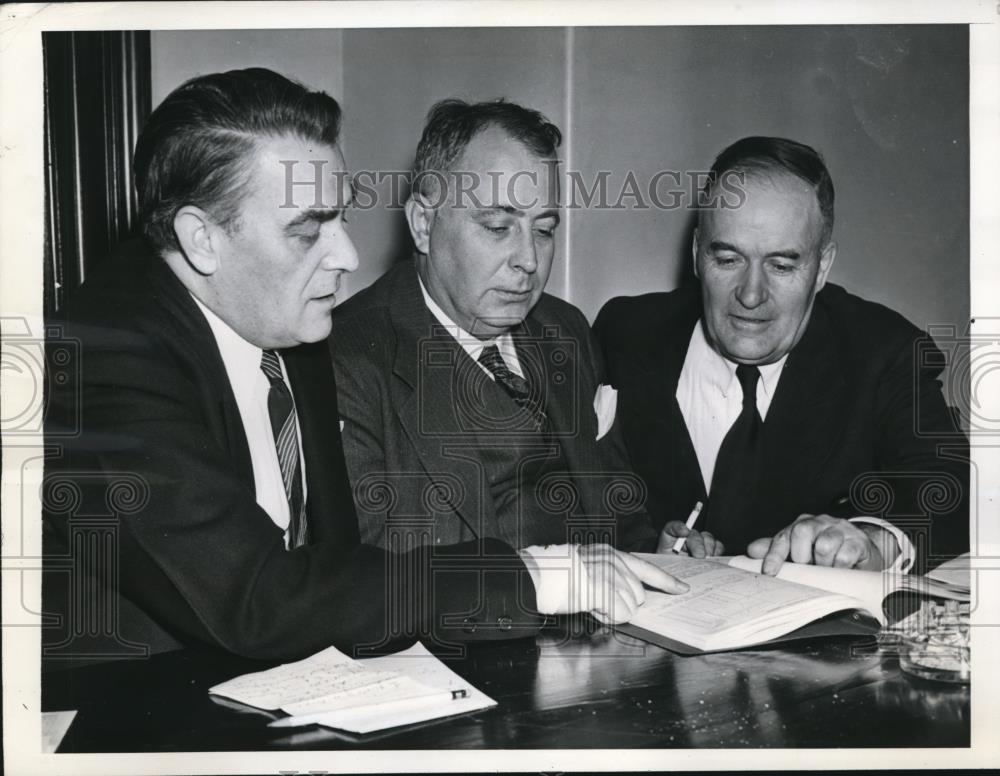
(360, 696)
(419, 666)
(306, 684)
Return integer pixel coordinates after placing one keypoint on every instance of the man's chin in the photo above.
(314, 332)
(500, 320)
(743, 352)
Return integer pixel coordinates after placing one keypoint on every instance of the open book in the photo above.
(359, 696)
(732, 605)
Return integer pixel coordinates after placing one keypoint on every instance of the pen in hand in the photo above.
(692, 518)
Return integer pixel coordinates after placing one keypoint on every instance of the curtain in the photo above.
(97, 96)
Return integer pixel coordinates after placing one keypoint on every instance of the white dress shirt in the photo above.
(710, 400)
(471, 345)
(250, 387)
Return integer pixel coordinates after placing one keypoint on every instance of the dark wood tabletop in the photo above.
(563, 689)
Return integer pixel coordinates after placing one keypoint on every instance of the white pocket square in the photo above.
(341, 425)
(605, 404)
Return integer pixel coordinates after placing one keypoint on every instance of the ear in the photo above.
(200, 238)
(826, 259)
(420, 219)
(694, 252)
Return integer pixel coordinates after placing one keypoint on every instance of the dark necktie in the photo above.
(281, 408)
(514, 386)
(734, 480)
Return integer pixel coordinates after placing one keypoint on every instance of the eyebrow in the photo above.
(720, 245)
(313, 215)
(510, 210)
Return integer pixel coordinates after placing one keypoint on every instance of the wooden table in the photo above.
(567, 688)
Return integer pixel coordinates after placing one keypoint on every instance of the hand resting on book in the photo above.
(823, 540)
(593, 578)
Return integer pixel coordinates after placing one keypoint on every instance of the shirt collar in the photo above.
(241, 358)
(720, 372)
(472, 345)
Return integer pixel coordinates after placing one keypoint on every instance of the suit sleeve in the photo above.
(360, 393)
(923, 458)
(197, 553)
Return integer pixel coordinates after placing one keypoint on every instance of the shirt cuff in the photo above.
(906, 554)
(555, 569)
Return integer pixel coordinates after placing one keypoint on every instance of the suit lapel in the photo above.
(683, 459)
(548, 359)
(427, 358)
(193, 330)
(329, 502)
(806, 416)
(660, 390)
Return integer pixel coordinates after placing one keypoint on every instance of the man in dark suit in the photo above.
(209, 437)
(466, 393)
(789, 407)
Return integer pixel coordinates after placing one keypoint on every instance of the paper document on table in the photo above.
(359, 696)
(54, 727)
(421, 667)
(327, 680)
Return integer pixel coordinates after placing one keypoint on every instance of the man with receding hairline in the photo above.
(458, 375)
(768, 394)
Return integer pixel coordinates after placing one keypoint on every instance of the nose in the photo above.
(752, 289)
(341, 253)
(525, 256)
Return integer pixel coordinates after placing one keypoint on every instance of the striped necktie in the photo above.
(514, 386)
(281, 408)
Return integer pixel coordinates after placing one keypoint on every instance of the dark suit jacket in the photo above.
(404, 432)
(854, 427)
(195, 553)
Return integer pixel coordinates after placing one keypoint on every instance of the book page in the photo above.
(954, 573)
(869, 586)
(729, 607)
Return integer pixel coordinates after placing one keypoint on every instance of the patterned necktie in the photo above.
(281, 408)
(734, 481)
(514, 386)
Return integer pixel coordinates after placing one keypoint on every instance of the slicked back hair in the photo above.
(765, 156)
(197, 148)
(452, 124)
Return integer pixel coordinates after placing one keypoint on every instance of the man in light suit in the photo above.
(207, 394)
(785, 404)
(467, 393)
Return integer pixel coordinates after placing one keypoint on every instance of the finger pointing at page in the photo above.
(655, 577)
